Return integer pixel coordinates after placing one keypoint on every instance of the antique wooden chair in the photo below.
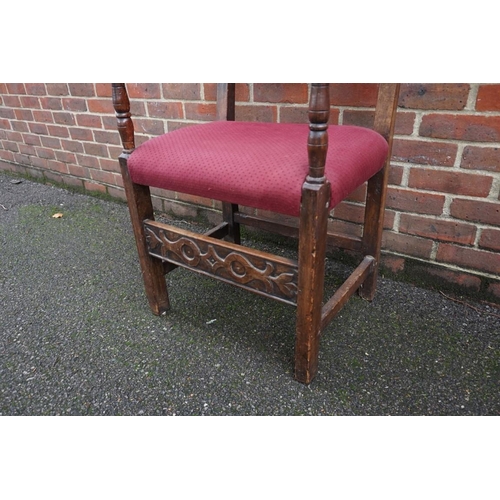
(282, 168)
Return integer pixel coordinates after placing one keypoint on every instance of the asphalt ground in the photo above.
(77, 336)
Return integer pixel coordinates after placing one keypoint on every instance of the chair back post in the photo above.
(317, 145)
(226, 101)
(121, 104)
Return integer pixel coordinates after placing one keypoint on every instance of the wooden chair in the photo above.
(282, 168)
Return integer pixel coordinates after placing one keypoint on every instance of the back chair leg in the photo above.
(312, 253)
(373, 227)
(141, 208)
(228, 211)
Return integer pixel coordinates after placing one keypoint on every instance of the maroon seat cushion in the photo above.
(260, 165)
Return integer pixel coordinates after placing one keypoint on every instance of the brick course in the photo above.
(443, 203)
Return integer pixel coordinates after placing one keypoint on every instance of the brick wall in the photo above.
(443, 205)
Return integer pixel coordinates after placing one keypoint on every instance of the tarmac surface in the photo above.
(77, 336)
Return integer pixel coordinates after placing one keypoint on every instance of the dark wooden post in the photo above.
(312, 238)
(140, 206)
(226, 110)
(385, 117)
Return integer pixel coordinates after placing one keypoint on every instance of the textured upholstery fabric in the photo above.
(260, 165)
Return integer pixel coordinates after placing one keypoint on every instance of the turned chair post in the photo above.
(140, 206)
(312, 238)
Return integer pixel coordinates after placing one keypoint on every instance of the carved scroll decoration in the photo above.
(256, 271)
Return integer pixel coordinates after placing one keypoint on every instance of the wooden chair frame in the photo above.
(163, 247)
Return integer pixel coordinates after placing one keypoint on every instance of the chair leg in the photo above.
(312, 252)
(228, 211)
(141, 208)
(373, 227)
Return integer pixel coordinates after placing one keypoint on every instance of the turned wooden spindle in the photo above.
(317, 146)
(121, 104)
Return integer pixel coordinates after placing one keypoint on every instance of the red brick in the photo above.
(11, 101)
(260, 113)
(78, 171)
(469, 257)
(107, 137)
(65, 157)
(81, 134)
(485, 212)
(281, 92)
(109, 165)
(51, 103)
(406, 244)
(490, 239)
(165, 110)
(32, 139)
(104, 177)
(195, 111)
(424, 152)
(488, 98)
(64, 118)
(46, 153)
(92, 186)
(183, 91)
(19, 126)
(103, 89)
(437, 229)
(415, 201)
(43, 116)
(295, 114)
(148, 126)
(144, 90)
(29, 101)
(91, 121)
(10, 146)
(349, 212)
(395, 175)
(51, 142)
(73, 146)
(481, 158)
(195, 200)
(137, 108)
(24, 114)
(448, 96)
(82, 89)
(38, 128)
(16, 88)
(35, 88)
(450, 182)
(95, 149)
(100, 106)
(242, 92)
(58, 131)
(7, 113)
(74, 104)
(461, 127)
(353, 94)
(6, 155)
(57, 89)
(87, 161)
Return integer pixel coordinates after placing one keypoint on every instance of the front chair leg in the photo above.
(141, 208)
(312, 252)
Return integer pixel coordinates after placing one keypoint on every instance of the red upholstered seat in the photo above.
(260, 165)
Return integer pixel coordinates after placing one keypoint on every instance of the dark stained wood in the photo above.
(226, 94)
(259, 272)
(312, 252)
(385, 117)
(226, 102)
(313, 225)
(163, 248)
(141, 208)
(121, 104)
(345, 291)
